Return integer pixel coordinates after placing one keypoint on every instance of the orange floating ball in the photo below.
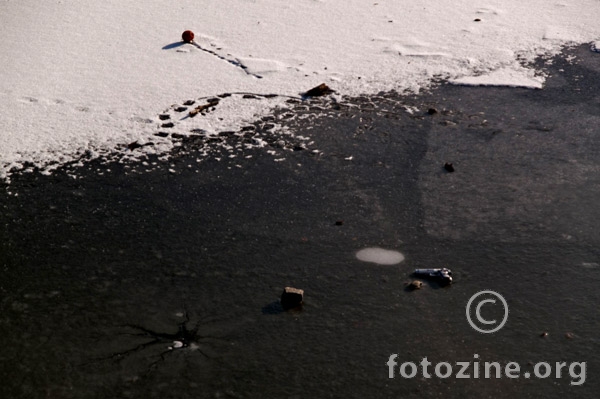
(187, 36)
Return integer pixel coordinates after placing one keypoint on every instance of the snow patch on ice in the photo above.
(511, 77)
(262, 66)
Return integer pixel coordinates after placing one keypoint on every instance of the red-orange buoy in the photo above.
(187, 36)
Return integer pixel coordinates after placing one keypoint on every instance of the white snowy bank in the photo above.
(94, 75)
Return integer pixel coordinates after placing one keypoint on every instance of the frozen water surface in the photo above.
(93, 76)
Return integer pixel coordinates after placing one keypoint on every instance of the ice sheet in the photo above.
(94, 75)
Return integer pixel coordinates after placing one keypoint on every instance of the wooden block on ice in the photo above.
(291, 298)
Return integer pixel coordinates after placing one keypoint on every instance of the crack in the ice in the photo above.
(183, 338)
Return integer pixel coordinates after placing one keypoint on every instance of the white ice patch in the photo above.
(510, 77)
(262, 66)
(380, 256)
(590, 265)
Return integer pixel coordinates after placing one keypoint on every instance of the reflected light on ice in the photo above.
(380, 256)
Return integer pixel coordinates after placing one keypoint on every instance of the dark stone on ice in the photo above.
(292, 298)
(449, 167)
(415, 285)
(320, 90)
(134, 145)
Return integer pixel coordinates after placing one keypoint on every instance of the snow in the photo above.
(93, 76)
(512, 77)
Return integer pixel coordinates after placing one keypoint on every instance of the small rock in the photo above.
(544, 334)
(569, 335)
(339, 222)
(449, 167)
(134, 145)
(292, 298)
(432, 111)
(320, 90)
(415, 285)
(477, 20)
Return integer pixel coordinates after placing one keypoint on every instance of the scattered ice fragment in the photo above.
(177, 344)
(262, 66)
(380, 256)
(510, 77)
